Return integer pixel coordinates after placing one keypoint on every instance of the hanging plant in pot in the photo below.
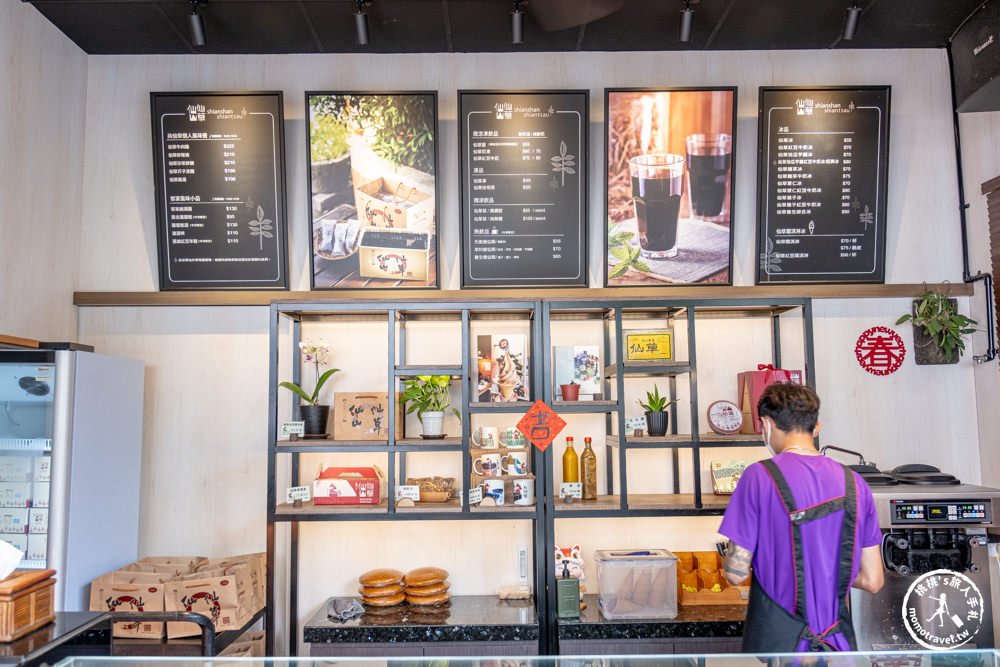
(657, 418)
(314, 415)
(430, 397)
(939, 330)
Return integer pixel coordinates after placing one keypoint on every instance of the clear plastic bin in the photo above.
(637, 583)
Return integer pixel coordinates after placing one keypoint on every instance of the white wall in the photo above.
(44, 79)
(206, 378)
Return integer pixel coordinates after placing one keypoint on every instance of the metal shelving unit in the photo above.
(540, 315)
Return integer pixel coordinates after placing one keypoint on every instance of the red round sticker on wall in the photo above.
(880, 351)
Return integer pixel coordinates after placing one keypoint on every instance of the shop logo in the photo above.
(942, 610)
(880, 351)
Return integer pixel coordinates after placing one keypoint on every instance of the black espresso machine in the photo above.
(935, 534)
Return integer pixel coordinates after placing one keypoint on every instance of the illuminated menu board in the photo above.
(524, 188)
(822, 170)
(220, 190)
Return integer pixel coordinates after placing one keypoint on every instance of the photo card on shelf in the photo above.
(503, 369)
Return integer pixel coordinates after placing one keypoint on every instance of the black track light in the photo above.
(687, 14)
(197, 27)
(361, 22)
(851, 22)
(517, 23)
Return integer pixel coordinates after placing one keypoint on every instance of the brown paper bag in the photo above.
(190, 561)
(108, 594)
(256, 568)
(172, 569)
(222, 594)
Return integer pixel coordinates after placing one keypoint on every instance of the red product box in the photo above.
(349, 486)
(751, 385)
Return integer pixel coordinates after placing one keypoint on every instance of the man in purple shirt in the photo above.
(808, 525)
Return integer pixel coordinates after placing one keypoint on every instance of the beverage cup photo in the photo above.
(489, 465)
(512, 438)
(657, 185)
(494, 489)
(487, 437)
(524, 491)
(517, 463)
(709, 162)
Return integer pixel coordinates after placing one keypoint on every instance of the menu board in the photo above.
(220, 190)
(821, 181)
(524, 188)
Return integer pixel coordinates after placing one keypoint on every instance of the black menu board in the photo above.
(220, 190)
(821, 184)
(524, 188)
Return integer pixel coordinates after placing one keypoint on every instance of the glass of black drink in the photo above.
(657, 182)
(709, 158)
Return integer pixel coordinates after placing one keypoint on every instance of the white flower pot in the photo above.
(433, 424)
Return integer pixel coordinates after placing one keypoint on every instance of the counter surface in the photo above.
(691, 621)
(468, 618)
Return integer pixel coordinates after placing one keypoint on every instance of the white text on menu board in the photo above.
(488, 216)
(804, 161)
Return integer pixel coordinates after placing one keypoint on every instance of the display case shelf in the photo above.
(499, 408)
(412, 370)
(647, 368)
(667, 504)
(584, 406)
(672, 440)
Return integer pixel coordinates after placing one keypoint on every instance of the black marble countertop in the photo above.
(467, 618)
(691, 621)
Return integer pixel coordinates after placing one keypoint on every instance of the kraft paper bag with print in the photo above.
(109, 593)
(172, 569)
(255, 571)
(216, 594)
(751, 384)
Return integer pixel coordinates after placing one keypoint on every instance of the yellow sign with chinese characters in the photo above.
(649, 345)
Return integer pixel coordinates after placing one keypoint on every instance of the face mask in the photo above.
(767, 438)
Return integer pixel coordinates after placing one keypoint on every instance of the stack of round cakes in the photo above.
(381, 588)
(427, 595)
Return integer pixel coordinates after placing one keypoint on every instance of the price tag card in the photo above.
(297, 493)
(475, 495)
(633, 424)
(571, 489)
(288, 428)
(411, 491)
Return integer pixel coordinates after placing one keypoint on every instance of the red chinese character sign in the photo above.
(541, 425)
(880, 351)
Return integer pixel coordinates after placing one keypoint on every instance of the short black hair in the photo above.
(793, 407)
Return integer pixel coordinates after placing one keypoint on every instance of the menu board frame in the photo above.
(581, 167)
(713, 225)
(881, 190)
(279, 229)
(418, 224)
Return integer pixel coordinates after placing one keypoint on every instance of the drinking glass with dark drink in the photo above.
(657, 182)
(709, 158)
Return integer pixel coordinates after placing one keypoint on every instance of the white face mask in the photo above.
(767, 437)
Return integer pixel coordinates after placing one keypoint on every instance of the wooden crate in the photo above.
(701, 569)
(25, 602)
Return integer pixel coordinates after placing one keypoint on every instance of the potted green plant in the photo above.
(938, 328)
(314, 414)
(429, 396)
(657, 418)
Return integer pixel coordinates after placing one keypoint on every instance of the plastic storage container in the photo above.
(637, 583)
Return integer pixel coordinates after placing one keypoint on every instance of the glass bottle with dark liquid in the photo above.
(709, 158)
(657, 184)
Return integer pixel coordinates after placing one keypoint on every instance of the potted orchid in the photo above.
(314, 415)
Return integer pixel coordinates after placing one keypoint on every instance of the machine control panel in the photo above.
(972, 511)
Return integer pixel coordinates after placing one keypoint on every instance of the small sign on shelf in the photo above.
(571, 490)
(635, 426)
(411, 491)
(296, 494)
(475, 495)
(293, 430)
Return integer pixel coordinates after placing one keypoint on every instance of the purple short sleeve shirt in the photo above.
(757, 521)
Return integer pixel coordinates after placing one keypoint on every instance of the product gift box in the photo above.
(349, 486)
(364, 416)
(394, 254)
(502, 362)
(751, 384)
(384, 202)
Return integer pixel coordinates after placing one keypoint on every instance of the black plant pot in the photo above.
(315, 417)
(657, 423)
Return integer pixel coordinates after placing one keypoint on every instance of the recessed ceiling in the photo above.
(428, 26)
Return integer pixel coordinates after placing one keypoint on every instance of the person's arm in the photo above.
(871, 574)
(736, 564)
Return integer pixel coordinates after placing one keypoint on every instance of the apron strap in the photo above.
(785, 491)
(847, 535)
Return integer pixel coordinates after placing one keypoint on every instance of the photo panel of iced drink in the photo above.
(709, 162)
(657, 182)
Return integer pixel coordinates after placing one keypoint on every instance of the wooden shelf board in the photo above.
(705, 439)
(649, 368)
(584, 406)
(453, 505)
(421, 442)
(679, 501)
(514, 406)
(418, 369)
(326, 442)
(507, 507)
(615, 294)
(308, 507)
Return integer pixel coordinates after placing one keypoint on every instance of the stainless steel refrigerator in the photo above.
(70, 457)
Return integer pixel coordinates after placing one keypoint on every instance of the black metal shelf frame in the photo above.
(540, 314)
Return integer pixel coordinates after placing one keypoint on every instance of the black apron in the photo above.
(769, 628)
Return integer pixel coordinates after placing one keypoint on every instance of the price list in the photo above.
(524, 188)
(822, 183)
(220, 190)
